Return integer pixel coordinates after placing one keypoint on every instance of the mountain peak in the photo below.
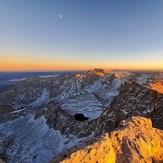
(100, 72)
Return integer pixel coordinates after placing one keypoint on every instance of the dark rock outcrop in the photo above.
(80, 117)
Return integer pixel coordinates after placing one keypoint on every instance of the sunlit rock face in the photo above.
(156, 84)
(135, 140)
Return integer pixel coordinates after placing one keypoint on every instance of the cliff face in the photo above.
(135, 140)
(156, 84)
(133, 99)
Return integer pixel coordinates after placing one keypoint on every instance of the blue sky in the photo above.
(90, 33)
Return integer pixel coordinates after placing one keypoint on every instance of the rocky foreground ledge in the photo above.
(135, 140)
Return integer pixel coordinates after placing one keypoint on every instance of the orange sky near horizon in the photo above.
(27, 64)
(25, 60)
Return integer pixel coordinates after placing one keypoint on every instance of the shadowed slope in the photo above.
(133, 100)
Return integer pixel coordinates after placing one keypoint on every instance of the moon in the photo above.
(60, 16)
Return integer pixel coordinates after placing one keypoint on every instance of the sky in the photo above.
(80, 34)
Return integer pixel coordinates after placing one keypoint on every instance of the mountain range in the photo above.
(93, 115)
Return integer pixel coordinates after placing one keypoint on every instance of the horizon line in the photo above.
(72, 70)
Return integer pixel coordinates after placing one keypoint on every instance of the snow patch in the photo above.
(34, 141)
(44, 98)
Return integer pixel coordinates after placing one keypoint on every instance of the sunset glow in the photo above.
(45, 64)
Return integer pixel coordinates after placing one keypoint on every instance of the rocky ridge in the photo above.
(135, 140)
(133, 99)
